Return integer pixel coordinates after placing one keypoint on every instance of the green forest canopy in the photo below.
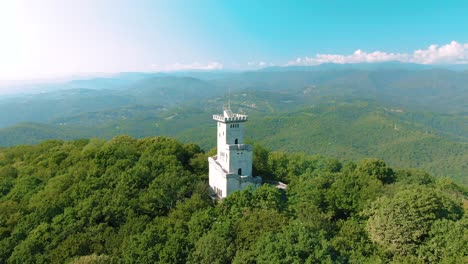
(144, 201)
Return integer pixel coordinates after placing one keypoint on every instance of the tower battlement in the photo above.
(232, 118)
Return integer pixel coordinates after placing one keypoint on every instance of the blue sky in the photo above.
(47, 38)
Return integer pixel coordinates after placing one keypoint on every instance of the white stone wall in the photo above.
(233, 185)
(240, 159)
(224, 183)
(227, 135)
(217, 178)
(221, 139)
(236, 183)
(234, 132)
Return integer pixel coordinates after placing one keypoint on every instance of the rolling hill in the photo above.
(408, 115)
(348, 130)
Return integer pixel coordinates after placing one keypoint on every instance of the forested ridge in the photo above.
(347, 130)
(130, 200)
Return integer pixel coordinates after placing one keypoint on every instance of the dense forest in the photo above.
(130, 200)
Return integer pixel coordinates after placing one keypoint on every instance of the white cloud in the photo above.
(452, 53)
(214, 65)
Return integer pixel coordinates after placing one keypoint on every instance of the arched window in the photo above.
(239, 171)
(236, 141)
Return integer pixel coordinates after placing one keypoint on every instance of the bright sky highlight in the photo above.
(49, 38)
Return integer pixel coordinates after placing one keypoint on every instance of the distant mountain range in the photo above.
(390, 65)
(411, 86)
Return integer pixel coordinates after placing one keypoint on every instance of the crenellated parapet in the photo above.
(230, 119)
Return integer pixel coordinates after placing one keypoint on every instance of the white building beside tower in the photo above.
(231, 169)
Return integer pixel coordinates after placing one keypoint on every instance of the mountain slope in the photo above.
(348, 130)
(45, 107)
(439, 90)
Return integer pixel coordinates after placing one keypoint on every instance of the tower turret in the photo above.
(231, 169)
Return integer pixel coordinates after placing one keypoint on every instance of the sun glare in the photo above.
(17, 47)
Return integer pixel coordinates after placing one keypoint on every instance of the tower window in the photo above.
(236, 141)
(239, 171)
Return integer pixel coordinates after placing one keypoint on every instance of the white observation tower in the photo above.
(231, 169)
